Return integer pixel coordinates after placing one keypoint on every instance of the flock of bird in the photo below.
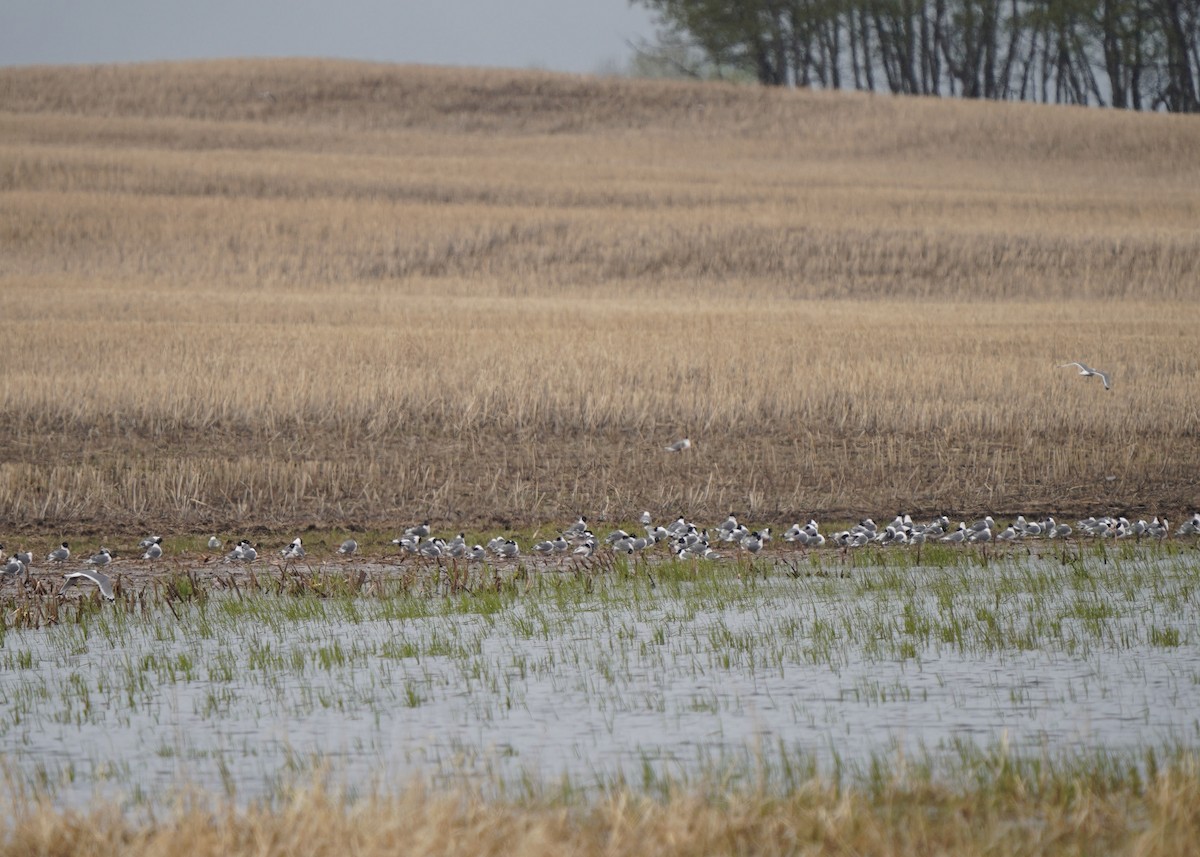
(684, 539)
(681, 538)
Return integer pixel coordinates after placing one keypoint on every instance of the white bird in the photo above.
(679, 445)
(154, 549)
(97, 577)
(26, 557)
(101, 559)
(349, 547)
(1088, 371)
(408, 543)
(249, 552)
(1008, 534)
(13, 567)
(433, 549)
(150, 540)
(478, 554)
(420, 531)
(214, 544)
(293, 551)
(957, 536)
(62, 553)
(678, 526)
(984, 535)
(646, 519)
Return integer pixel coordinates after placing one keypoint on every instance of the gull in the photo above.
(657, 533)
(646, 519)
(26, 557)
(154, 549)
(586, 549)
(478, 554)
(101, 559)
(1054, 530)
(509, 550)
(249, 552)
(60, 554)
(623, 545)
(293, 551)
(890, 536)
(752, 542)
(1088, 371)
(544, 547)
(432, 549)
(348, 548)
(957, 536)
(679, 445)
(496, 544)
(420, 531)
(13, 567)
(576, 528)
(214, 544)
(97, 577)
(1008, 534)
(407, 543)
(150, 540)
(804, 537)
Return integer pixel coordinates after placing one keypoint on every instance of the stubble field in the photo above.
(284, 293)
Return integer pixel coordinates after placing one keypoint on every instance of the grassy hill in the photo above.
(286, 292)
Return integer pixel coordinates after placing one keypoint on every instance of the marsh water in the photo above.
(638, 678)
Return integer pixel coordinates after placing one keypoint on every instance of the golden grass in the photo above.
(1017, 816)
(491, 297)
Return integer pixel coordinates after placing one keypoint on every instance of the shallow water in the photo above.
(628, 682)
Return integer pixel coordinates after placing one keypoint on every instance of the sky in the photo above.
(585, 36)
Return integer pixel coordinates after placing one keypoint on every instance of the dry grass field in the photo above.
(1018, 814)
(300, 292)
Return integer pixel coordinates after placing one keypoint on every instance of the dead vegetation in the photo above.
(1015, 811)
(490, 297)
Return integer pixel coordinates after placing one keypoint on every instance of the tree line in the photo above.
(1135, 54)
